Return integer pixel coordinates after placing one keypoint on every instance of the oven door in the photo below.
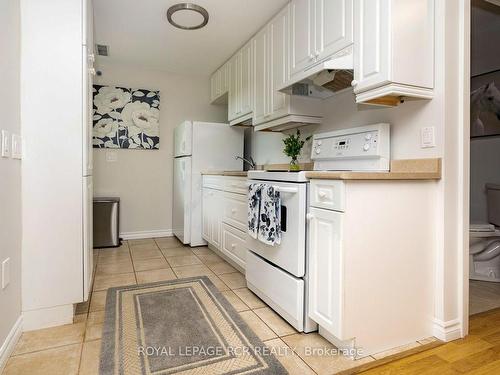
(290, 255)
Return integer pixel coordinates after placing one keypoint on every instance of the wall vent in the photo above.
(102, 50)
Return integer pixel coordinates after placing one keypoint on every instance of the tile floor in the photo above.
(483, 296)
(75, 348)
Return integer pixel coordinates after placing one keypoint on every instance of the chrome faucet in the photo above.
(249, 161)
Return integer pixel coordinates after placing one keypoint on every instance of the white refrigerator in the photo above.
(198, 147)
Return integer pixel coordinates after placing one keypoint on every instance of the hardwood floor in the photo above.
(477, 354)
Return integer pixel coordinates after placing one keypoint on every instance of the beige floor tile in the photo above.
(50, 338)
(110, 281)
(98, 301)
(262, 331)
(144, 241)
(57, 361)
(202, 251)
(79, 318)
(177, 251)
(221, 268)
(210, 258)
(235, 301)
(95, 317)
(168, 242)
(145, 254)
(82, 308)
(397, 350)
(250, 299)
(218, 283)
(144, 247)
(191, 271)
(115, 251)
(153, 276)
(234, 280)
(150, 264)
(89, 363)
(320, 354)
(111, 259)
(187, 260)
(274, 321)
(93, 332)
(290, 361)
(123, 266)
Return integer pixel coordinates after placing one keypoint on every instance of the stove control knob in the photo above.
(320, 143)
(318, 151)
(366, 147)
(368, 136)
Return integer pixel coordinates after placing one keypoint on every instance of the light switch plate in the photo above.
(5, 144)
(5, 273)
(427, 137)
(17, 146)
(111, 156)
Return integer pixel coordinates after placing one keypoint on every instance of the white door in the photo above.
(302, 35)
(88, 252)
(278, 52)
(371, 48)
(326, 270)
(181, 220)
(183, 139)
(334, 26)
(206, 225)
(246, 88)
(261, 76)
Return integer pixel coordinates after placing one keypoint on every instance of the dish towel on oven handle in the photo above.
(264, 214)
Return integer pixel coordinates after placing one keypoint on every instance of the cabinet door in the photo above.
(246, 88)
(206, 215)
(234, 108)
(371, 48)
(216, 218)
(213, 87)
(333, 25)
(278, 62)
(326, 270)
(302, 35)
(261, 76)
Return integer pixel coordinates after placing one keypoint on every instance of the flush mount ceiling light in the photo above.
(187, 16)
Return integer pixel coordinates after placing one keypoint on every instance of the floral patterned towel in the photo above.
(264, 214)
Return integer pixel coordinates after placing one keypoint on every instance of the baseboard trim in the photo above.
(10, 342)
(146, 234)
(48, 317)
(447, 330)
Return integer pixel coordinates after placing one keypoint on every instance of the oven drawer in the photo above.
(328, 194)
(236, 185)
(233, 244)
(213, 182)
(280, 290)
(235, 210)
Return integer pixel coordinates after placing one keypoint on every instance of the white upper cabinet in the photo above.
(241, 85)
(319, 30)
(219, 84)
(389, 37)
(279, 67)
(261, 78)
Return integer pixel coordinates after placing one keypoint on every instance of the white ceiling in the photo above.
(138, 34)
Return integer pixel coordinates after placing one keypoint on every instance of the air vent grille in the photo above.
(102, 50)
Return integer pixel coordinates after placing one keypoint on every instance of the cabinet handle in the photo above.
(233, 246)
(354, 83)
(322, 194)
(311, 57)
(309, 217)
(233, 211)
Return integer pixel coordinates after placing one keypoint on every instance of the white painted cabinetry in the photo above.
(224, 217)
(241, 88)
(371, 262)
(219, 84)
(390, 36)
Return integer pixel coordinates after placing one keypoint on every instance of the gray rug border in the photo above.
(107, 367)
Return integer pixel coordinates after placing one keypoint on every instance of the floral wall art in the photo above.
(126, 118)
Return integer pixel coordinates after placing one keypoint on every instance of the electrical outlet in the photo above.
(5, 273)
(17, 146)
(427, 137)
(5, 144)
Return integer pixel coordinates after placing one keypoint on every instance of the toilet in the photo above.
(484, 241)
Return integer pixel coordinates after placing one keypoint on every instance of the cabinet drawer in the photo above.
(236, 185)
(235, 210)
(327, 194)
(233, 244)
(213, 182)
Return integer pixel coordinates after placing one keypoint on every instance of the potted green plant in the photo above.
(293, 147)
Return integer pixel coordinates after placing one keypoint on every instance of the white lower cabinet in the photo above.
(224, 217)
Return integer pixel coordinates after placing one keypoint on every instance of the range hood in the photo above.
(323, 79)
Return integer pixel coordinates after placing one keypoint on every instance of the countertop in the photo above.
(411, 169)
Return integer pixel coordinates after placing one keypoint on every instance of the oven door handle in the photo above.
(290, 190)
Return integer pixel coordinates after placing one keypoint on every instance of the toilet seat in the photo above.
(484, 252)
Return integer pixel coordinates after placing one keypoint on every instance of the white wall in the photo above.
(143, 179)
(10, 170)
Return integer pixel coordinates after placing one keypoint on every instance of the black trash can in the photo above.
(106, 222)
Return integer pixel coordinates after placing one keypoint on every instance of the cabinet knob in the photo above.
(233, 246)
(311, 57)
(233, 211)
(322, 194)
(309, 217)
(354, 83)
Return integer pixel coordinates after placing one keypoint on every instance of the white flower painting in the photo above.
(126, 118)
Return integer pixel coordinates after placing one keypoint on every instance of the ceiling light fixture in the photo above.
(189, 7)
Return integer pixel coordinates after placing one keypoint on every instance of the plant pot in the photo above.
(294, 166)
